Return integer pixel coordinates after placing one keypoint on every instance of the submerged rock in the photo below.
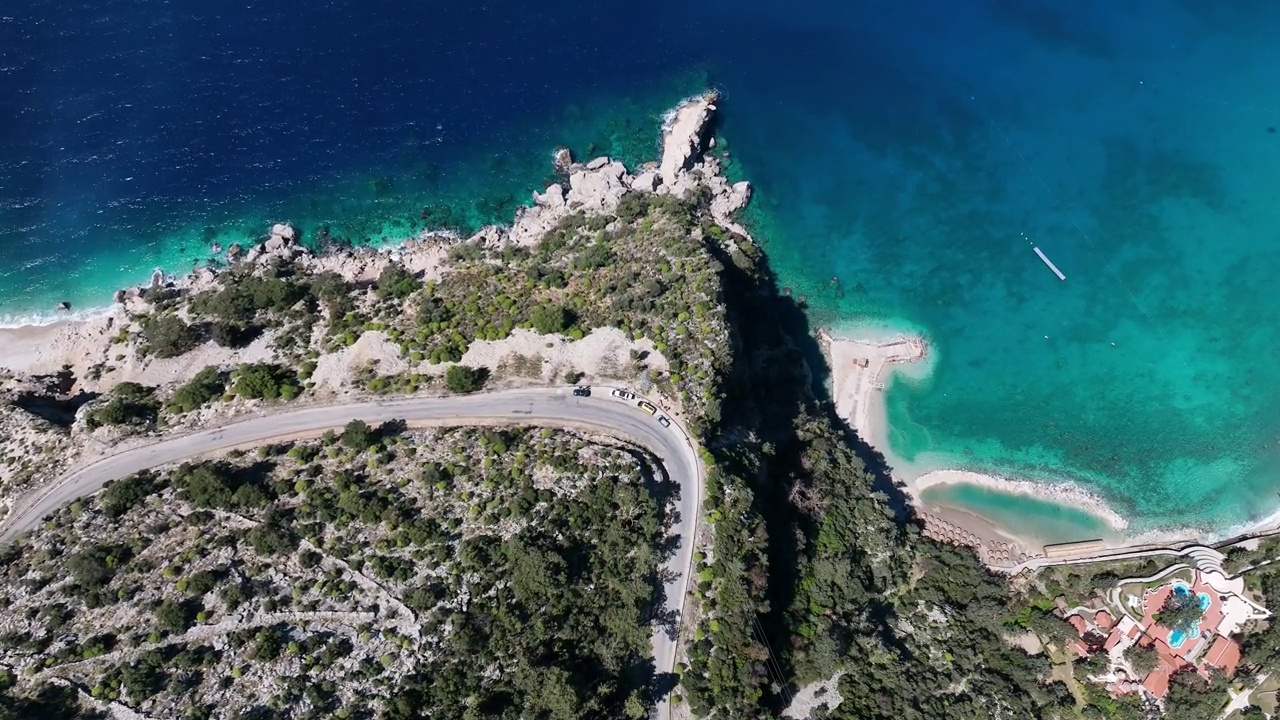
(64, 306)
(562, 160)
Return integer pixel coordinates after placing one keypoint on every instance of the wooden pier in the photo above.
(1049, 263)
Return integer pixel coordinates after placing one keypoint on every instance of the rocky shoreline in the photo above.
(594, 187)
(84, 358)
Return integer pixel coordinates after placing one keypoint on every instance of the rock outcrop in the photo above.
(645, 182)
(282, 244)
(682, 135)
(562, 160)
(595, 187)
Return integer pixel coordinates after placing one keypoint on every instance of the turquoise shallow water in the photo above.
(1022, 515)
(913, 149)
(1141, 161)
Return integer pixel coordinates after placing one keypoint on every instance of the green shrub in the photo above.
(550, 319)
(121, 496)
(207, 385)
(465, 379)
(265, 381)
(129, 404)
(167, 336)
(242, 297)
(358, 436)
(396, 282)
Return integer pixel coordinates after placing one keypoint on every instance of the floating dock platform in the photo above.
(1049, 263)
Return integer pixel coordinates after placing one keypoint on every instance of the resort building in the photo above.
(1205, 647)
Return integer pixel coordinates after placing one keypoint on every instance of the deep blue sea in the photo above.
(915, 150)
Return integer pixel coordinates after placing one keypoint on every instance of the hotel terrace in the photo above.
(1207, 646)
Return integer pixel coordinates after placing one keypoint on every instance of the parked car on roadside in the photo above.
(581, 391)
(647, 407)
(623, 394)
(664, 421)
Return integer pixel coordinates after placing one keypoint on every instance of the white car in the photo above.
(623, 394)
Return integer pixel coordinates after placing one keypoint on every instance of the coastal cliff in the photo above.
(372, 571)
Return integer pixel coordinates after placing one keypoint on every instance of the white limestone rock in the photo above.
(553, 197)
(284, 231)
(598, 189)
(682, 135)
(728, 199)
(597, 163)
(645, 181)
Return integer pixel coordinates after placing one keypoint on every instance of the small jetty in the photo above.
(1049, 263)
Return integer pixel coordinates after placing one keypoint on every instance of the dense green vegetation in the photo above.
(814, 571)
(264, 381)
(168, 336)
(208, 384)
(374, 573)
(464, 379)
(665, 288)
(128, 404)
(510, 574)
(1180, 612)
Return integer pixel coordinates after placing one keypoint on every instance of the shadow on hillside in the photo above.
(55, 404)
(778, 380)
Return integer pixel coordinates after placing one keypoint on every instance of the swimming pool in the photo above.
(1178, 637)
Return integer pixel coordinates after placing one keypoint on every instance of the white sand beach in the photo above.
(1060, 493)
(860, 368)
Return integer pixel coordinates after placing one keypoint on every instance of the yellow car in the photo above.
(648, 407)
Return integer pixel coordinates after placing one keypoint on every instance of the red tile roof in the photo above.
(1225, 654)
(1078, 648)
(1213, 616)
(1154, 601)
(1112, 640)
(1079, 624)
(1103, 619)
(1157, 681)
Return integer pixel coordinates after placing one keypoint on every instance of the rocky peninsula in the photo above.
(503, 570)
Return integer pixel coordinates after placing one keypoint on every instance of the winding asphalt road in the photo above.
(543, 407)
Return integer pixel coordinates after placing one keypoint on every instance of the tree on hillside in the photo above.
(263, 380)
(1180, 612)
(396, 282)
(129, 404)
(1143, 658)
(359, 436)
(168, 336)
(464, 379)
(1050, 628)
(550, 319)
(200, 389)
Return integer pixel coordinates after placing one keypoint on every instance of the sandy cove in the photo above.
(860, 368)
